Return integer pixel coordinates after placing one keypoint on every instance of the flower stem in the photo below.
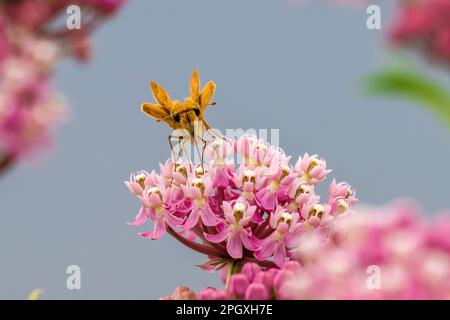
(230, 272)
(207, 250)
(6, 161)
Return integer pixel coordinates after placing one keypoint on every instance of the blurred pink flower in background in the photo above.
(378, 253)
(30, 48)
(424, 24)
(28, 104)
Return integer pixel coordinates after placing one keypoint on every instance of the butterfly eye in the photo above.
(197, 111)
(176, 117)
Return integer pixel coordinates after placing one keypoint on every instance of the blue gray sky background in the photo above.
(275, 66)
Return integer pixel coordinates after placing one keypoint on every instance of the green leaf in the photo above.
(413, 86)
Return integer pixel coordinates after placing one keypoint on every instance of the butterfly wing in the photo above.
(157, 112)
(207, 94)
(161, 96)
(195, 85)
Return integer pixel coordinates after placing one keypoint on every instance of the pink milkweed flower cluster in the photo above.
(424, 24)
(249, 211)
(378, 253)
(31, 44)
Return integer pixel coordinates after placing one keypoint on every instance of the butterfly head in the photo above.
(185, 113)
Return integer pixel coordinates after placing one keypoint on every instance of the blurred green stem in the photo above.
(413, 86)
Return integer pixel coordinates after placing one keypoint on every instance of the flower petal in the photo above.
(159, 228)
(247, 242)
(172, 221)
(266, 199)
(140, 218)
(145, 234)
(280, 254)
(234, 246)
(228, 212)
(192, 220)
(216, 238)
(267, 249)
(196, 193)
(208, 218)
(220, 179)
(134, 187)
(155, 200)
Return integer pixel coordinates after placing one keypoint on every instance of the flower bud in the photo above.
(183, 293)
(250, 270)
(238, 285)
(256, 291)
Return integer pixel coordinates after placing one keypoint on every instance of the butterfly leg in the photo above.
(172, 149)
(199, 154)
(182, 142)
(179, 139)
(202, 153)
(204, 143)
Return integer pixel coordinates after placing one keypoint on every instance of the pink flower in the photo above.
(257, 154)
(284, 225)
(198, 192)
(311, 169)
(279, 180)
(299, 193)
(153, 209)
(233, 230)
(314, 213)
(173, 174)
(245, 146)
(222, 167)
(28, 107)
(413, 22)
(138, 182)
(245, 179)
(424, 25)
(340, 198)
